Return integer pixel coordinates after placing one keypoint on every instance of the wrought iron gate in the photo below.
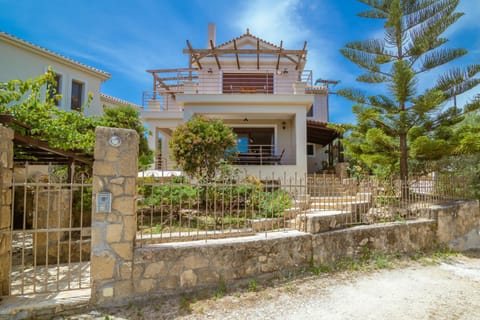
(49, 229)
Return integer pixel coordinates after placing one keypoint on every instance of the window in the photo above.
(310, 150)
(77, 95)
(247, 83)
(310, 111)
(255, 140)
(55, 88)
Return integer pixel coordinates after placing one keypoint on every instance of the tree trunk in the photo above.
(404, 165)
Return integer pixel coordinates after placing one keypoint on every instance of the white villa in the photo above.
(259, 89)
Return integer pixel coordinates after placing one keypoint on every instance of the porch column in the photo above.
(152, 144)
(165, 149)
(6, 174)
(301, 142)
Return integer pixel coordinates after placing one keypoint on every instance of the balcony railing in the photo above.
(258, 154)
(225, 82)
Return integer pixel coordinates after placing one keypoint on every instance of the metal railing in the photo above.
(174, 208)
(213, 82)
(259, 154)
(50, 230)
(158, 101)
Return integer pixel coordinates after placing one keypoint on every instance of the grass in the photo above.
(253, 285)
(369, 261)
(186, 304)
(221, 290)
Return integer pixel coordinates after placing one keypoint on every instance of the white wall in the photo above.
(320, 108)
(22, 64)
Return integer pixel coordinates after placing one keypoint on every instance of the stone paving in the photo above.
(44, 306)
(40, 279)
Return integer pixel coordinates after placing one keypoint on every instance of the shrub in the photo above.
(199, 145)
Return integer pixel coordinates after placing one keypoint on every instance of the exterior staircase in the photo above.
(330, 204)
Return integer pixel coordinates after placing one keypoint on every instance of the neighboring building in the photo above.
(112, 102)
(259, 89)
(23, 60)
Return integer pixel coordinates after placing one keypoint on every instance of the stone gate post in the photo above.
(113, 229)
(6, 176)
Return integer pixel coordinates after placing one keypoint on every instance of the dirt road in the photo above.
(419, 290)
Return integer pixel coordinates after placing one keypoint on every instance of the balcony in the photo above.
(259, 155)
(169, 83)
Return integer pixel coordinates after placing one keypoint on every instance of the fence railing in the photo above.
(177, 209)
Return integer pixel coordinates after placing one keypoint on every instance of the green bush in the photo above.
(199, 146)
(273, 204)
(170, 195)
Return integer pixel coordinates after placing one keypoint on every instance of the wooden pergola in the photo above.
(170, 81)
(319, 133)
(294, 56)
(35, 151)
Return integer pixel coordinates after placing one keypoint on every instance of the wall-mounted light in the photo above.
(115, 141)
(210, 70)
(284, 125)
(245, 119)
(285, 71)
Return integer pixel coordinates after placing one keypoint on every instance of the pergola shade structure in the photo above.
(319, 133)
(35, 151)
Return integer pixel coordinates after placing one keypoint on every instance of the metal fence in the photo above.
(174, 208)
(50, 230)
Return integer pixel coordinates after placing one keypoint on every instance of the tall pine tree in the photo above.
(405, 123)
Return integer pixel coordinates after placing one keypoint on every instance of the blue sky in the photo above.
(125, 38)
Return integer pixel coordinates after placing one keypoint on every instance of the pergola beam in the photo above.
(301, 55)
(236, 53)
(258, 54)
(215, 54)
(193, 55)
(279, 55)
(244, 51)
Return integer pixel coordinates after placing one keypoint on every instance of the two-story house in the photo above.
(20, 59)
(259, 89)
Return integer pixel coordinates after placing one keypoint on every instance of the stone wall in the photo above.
(189, 266)
(402, 237)
(113, 233)
(119, 270)
(458, 224)
(6, 173)
(178, 267)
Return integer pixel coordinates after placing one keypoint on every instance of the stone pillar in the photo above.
(113, 233)
(6, 174)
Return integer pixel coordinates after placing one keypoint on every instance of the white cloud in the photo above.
(273, 21)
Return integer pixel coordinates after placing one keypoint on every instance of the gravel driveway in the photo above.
(415, 290)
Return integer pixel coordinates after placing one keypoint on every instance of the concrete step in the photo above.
(333, 199)
(316, 221)
(351, 206)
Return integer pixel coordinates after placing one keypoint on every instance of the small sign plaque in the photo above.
(104, 202)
